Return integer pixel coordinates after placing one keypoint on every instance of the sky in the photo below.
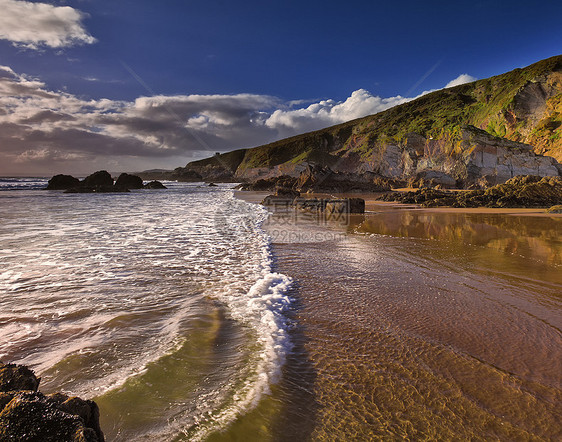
(136, 85)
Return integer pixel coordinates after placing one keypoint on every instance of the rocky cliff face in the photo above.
(483, 132)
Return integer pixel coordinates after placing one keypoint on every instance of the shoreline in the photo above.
(406, 323)
(373, 205)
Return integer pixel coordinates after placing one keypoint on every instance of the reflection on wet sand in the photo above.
(431, 325)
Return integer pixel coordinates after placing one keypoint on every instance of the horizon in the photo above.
(93, 87)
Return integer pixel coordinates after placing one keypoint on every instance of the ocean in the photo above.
(192, 314)
(162, 305)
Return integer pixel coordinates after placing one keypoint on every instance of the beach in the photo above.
(425, 323)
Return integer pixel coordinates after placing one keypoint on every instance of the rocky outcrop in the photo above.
(127, 181)
(323, 179)
(62, 182)
(520, 191)
(473, 135)
(100, 178)
(100, 182)
(28, 415)
(497, 160)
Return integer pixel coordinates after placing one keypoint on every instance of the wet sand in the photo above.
(425, 323)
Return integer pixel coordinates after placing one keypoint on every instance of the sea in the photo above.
(192, 313)
(162, 305)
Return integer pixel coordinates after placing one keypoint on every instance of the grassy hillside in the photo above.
(523, 105)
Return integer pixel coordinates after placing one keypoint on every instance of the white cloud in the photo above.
(51, 131)
(34, 25)
(461, 79)
(329, 112)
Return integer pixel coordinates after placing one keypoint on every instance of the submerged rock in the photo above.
(154, 185)
(28, 415)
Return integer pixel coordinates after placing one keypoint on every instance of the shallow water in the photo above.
(427, 325)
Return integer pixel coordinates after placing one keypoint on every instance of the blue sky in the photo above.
(130, 85)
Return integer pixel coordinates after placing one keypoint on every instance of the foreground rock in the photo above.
(520, 191)
(28, 415)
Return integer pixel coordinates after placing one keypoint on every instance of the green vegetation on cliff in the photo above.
(524, 105)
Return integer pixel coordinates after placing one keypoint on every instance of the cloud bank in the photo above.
(36, 25)
(44, 131)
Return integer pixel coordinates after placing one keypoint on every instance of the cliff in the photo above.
(486, 131)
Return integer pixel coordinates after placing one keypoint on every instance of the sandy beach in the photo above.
(424, 323)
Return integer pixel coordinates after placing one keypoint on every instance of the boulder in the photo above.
(32, 416)
(127, 181)
(154, 185)
(17, 377)
(62, 182)
(28, 415)
(100, 178)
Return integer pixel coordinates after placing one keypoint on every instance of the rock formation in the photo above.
(100, 182)
(127, 181)
(62, 182)
(28, 415)
(473, 135)
(520, 191)
(154, 185)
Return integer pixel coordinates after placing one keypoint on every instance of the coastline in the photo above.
(372, 205)
(410, 316)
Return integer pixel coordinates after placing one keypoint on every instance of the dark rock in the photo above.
(520, 191)
(28, 415)
(32, 416)
(17, 377)
(212, 185)
(127, 181)
(62, 182)
(100, 178)
(154, 185)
